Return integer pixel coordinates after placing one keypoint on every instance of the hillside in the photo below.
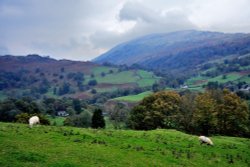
(180, 51)
(38, 76)
(67, 146)
(232, 72)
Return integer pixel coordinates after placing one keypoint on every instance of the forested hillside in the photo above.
(39, 77)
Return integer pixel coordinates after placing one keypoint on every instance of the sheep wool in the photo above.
(206, 140)
(33, 120)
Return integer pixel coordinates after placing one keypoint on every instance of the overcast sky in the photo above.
(84, 29)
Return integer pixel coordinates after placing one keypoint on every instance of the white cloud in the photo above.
(83, 29)
(222, 15)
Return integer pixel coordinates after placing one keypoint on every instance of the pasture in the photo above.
(72, 147)
(134, 98)
(199, 81)
(109, 81)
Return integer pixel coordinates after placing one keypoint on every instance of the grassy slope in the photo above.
(58, 121)
(140, 77)
(66, 146)
(198, 81)
(134, 98)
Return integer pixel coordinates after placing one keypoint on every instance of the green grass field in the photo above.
(199, 81)
(134, 98)
(118, 78)
(229, 77)
(56, 146)
(2, 95)
(100, 69)
(140, 77)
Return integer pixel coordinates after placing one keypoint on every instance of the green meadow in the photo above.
(134, 98)
(57, 146)
(140, 78)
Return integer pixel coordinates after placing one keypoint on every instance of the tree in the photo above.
(92, 82)
(93, 91)
(98, 119)
(137, 117)
(159, 110)
(204, 117)
(81, 120)
(187, 108)
(118, 115)
(103, 74)
(233, 115)
(212, 85)
(64, 89)
(77, 106)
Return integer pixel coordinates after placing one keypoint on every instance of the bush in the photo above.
(81, 120)
(98, 119)
(92, 82)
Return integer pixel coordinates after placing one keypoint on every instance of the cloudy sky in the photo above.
(84, 29)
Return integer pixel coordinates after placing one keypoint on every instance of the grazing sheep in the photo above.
(206, 140)
(33, 120)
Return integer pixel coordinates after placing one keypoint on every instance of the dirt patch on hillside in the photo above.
(200, 82)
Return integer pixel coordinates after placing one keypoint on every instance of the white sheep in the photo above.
(33, 120)
(205, 140)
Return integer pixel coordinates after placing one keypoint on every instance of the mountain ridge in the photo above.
(176, 49)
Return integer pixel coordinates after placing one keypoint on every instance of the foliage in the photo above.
(92, 82)
(204, 116)
(212, 112)
(98, 119)
(233, 115)
(77, 106)
(64, 89)
(10, 108)
(156, 111)
(118, 115)
(80, 120)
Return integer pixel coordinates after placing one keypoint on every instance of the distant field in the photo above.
(118, 78)
(198, 81)
(229, 77)
(77, 147)
(2, 95)
(146, 78)
(134, 98)
(137, 77)
(99, 70)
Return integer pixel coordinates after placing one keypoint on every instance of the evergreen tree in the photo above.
(98, 119)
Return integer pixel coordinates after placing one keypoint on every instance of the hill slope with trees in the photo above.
(39, 77)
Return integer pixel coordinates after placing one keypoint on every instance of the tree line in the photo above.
(80, 114)
(212, 112)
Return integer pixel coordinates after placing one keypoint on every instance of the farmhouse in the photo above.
(62, 113)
